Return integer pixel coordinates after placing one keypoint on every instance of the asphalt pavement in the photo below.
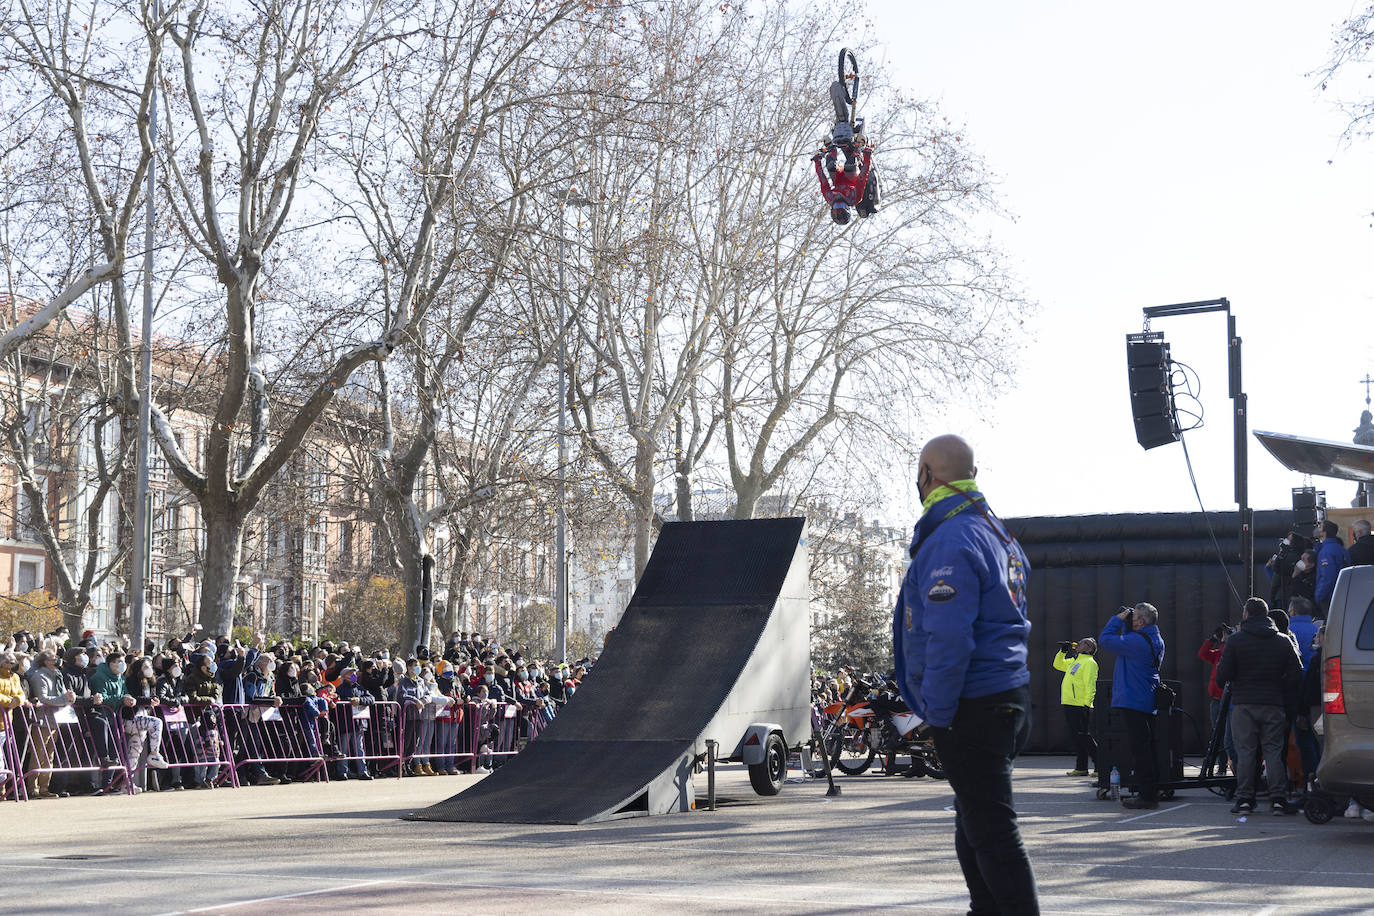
(885, 844)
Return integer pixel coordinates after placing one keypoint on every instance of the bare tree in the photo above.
(1352, 53)
(353, 129)
(643, 326)
(77, 95)
(61, 435)
(832, 333)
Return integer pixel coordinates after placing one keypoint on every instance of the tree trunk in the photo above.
(746, 500)
(643, 506)
(74, 618)
(413, 552)
(684, 497)
(223, 554)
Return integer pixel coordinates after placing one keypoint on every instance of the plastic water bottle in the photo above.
(1114, 780)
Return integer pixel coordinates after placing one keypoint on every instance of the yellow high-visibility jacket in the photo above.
(1080, 679)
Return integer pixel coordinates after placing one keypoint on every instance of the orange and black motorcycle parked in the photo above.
(868, 722)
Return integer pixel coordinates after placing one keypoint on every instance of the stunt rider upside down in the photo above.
(856, 186)
(842, 189)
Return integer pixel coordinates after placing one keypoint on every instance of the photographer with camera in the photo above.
(1210, 652)
(1282, 568)
(1133, 635)
(1076, 695)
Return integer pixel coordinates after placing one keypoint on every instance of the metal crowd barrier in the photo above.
(194, 736)
(63, 739)
(11, 763)
(498, 731)
(370, 734)
(224, 739)
(261, 735)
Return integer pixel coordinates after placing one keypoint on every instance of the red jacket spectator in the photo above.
(1211, 654)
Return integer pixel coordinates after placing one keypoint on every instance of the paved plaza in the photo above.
(885, 844)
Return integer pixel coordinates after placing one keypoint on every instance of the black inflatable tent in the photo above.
(1085, 567)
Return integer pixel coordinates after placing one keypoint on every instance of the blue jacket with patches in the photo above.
(960, 626)
(1135, 675)
(1332, 557)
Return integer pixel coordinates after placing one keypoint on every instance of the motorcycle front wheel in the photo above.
(849, 750)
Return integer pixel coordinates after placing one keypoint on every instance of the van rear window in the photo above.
(1365, 639)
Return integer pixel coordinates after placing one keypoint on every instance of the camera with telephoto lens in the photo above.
(1068, 647)
(1130, 616)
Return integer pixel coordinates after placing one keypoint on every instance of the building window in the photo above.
(315, 541)
(28, 576)
(346, 542)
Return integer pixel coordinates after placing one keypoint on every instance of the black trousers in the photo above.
(1080, 727)
(977, 753)
(1140, 734)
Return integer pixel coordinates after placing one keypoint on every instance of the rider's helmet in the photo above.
(839, 213)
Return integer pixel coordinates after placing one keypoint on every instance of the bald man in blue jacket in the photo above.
(959, 635)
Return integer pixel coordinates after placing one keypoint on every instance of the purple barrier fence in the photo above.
(11, 764)
(367, 734)
(498, 731)
(72, 739)
(262, 735)
(539, 720)
(194, 737)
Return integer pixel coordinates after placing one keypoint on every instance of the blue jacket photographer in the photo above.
(1139, 652)
(1133, 636)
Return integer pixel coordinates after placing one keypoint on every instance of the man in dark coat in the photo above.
(1362, 551)
(1262, 666)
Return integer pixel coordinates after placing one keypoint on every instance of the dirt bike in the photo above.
(867, 722)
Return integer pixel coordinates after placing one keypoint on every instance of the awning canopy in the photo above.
(1320, 457)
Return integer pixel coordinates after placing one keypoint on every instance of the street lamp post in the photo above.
(567, 198)
(138, 611)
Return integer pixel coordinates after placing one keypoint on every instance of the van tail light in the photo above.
(1333, 698)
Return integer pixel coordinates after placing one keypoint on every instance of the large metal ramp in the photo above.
(716, 637)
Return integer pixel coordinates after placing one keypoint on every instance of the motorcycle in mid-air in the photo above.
(871, 720)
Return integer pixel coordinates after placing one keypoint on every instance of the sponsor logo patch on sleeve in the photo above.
(941, 591)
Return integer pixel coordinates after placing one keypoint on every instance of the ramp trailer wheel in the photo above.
(768, 776)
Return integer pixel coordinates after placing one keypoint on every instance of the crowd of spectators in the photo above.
(124, 695)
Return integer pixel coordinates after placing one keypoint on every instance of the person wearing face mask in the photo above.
(557, 691)
(1303, 580)
(142, 727)
(76, 674)
(410, 692)
(446, 723)
(205, 693)
(11, 698)
(302, 703)
(11, 688)
(108, 680)
(259, 694)
(352, 730)
(178, 733)
(960, 631)
(47, 691)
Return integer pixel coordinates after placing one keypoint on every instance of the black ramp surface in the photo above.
(696, 616)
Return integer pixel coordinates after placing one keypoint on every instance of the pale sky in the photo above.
(1155, 154)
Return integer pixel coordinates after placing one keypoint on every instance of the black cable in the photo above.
(1221, 558)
